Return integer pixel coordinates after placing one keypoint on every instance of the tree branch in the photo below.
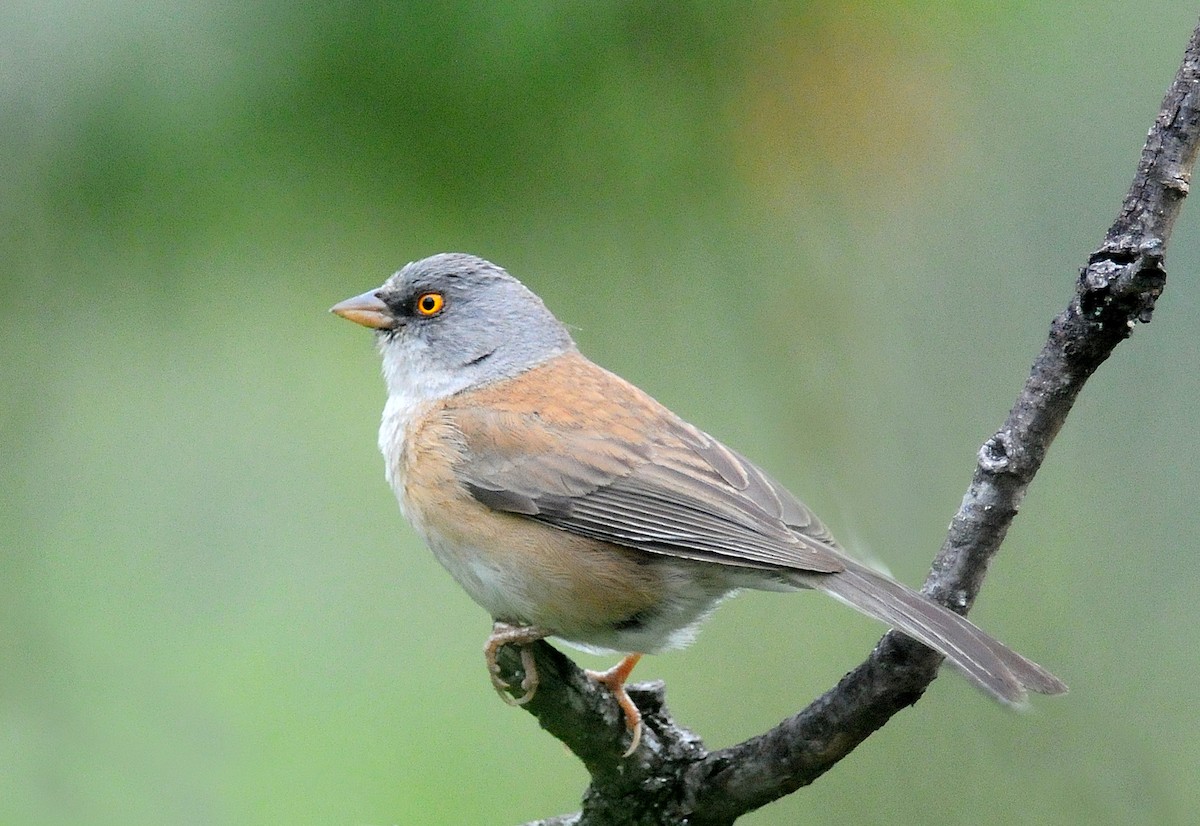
(672, 778)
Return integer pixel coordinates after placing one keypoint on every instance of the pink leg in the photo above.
(522, 635)
(614, 680)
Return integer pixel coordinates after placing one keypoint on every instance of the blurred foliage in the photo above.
(831, 234)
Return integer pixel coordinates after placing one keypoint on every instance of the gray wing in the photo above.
(654, 483)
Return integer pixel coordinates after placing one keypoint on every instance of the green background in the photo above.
(832, 235)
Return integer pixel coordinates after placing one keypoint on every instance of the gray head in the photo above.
(453, 321)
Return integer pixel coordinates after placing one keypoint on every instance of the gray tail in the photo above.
(984, 660)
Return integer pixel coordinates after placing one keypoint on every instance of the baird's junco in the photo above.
(570, 504)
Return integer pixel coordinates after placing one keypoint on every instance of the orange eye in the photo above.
(430, 304)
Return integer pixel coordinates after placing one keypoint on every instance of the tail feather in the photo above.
(984, 660)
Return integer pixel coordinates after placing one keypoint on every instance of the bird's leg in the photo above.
(614, 680)
(522, 635)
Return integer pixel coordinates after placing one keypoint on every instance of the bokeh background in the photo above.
(831, 234)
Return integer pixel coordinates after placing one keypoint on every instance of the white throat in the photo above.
(414, 382)
(412, 375)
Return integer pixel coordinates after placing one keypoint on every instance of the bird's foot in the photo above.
(614, 680)
(504, 634)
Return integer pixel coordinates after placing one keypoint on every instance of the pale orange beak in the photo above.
(366, 309)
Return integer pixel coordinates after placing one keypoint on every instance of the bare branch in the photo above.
(672, 777)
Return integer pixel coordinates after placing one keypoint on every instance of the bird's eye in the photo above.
(430, 304)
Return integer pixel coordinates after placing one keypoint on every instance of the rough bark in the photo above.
(673, 778)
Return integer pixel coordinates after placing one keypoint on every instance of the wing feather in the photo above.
(651, 482)
(655, 483)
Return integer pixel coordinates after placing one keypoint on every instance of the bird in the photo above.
(570, 504)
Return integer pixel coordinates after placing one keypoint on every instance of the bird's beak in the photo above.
(366, 309)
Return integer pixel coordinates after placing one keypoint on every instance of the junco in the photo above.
(570, 504)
